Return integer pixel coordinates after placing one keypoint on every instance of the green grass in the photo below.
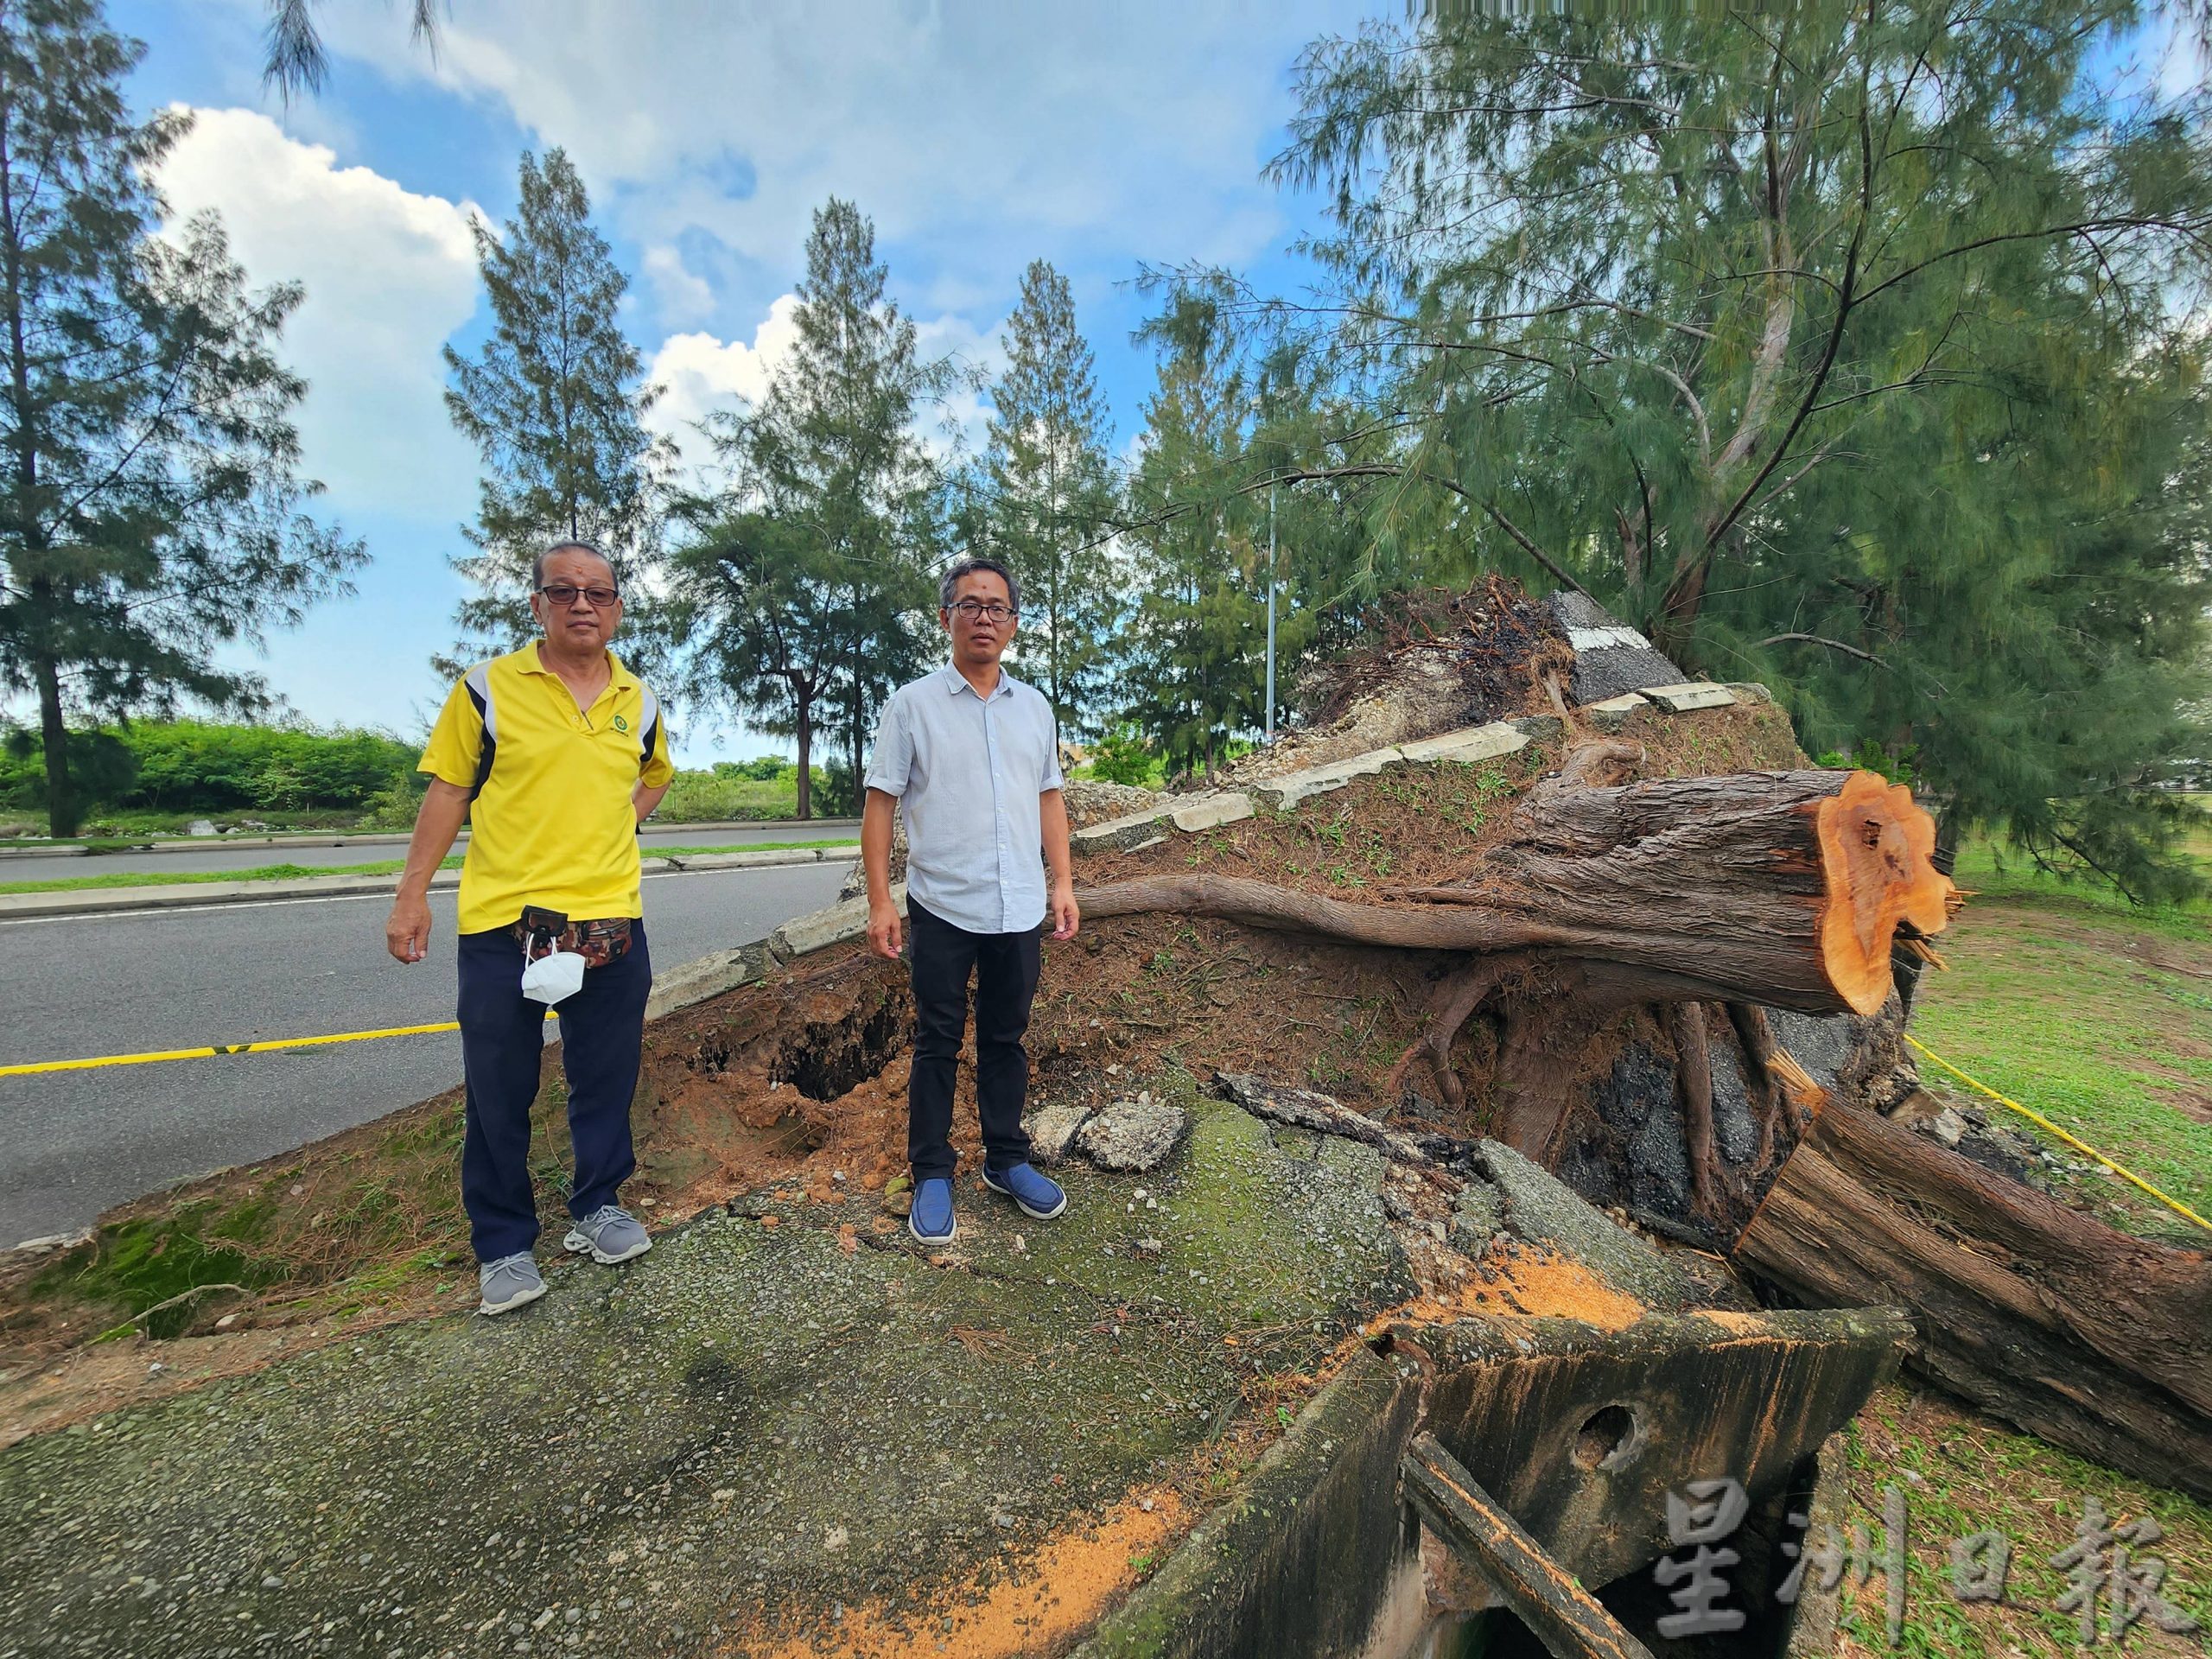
(2094, 1012)
(382, 866)
(1961, 1474)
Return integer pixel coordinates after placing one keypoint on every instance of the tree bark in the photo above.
(1780, 888)
(805, 725)
(2097, 1341)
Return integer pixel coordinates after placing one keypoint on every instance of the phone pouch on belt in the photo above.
(556, 950)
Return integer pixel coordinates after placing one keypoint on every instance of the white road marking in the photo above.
(336, 898)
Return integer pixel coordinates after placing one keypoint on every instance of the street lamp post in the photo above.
(1270, 717)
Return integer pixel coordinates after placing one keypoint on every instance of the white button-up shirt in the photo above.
(967, 772)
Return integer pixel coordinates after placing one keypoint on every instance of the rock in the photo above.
(1052, 1127)
(1689, 695)
(1750, 691)
(1132, 1135)
(47, 1243)
(1947, 1126)
(199, 827)
(1148, 1247)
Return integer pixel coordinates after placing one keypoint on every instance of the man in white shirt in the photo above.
(969, 755)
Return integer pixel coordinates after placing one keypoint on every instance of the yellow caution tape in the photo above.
(2079, 1145)
(214, 1049)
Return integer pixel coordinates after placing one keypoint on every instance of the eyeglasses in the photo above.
(560, 593)
(972, 608)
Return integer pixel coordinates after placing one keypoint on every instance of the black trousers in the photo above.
(1005, 967)
(502, 1047)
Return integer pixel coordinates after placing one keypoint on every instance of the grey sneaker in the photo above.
(509, 1282)
(610, 1233)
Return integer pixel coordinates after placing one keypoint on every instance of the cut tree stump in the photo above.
(2095, 1340)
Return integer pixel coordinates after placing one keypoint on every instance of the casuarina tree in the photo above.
(555, 403)
(151, 491)
(1852, 350)
(1049, 488)
(833, 453)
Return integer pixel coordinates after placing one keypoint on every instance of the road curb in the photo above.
(380, 838)
(100, 901)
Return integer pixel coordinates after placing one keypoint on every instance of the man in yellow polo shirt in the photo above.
(557, 753)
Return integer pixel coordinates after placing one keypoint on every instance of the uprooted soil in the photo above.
(1438, 660)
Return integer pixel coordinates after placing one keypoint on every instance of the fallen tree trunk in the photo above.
(2095, 1340)
(1785, 888)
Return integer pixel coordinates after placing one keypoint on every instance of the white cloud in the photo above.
(389, 275)
(683, 296)
(981, 135)
(701, 375)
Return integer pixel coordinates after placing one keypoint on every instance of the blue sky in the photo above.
(977, 136)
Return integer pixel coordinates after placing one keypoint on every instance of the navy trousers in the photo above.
(502, 1045)
(1005, 968)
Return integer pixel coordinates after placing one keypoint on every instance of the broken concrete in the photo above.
(1613, 713)
(1476, 743)
(1212, 810)
(1287, 792)
(1131, 1134)
(1541, 1209)
(1689, 696)
(771, 1426)
(1610, 657)
(1051, 1129)
(840, 923)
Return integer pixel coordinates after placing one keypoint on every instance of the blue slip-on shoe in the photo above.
(930, 1218)
(1038, 1196)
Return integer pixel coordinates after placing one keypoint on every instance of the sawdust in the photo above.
(1533, 1284)
(1034, 1607)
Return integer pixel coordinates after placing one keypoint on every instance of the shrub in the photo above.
(1122, 756)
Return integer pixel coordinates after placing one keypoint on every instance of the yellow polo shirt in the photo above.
(552, 822)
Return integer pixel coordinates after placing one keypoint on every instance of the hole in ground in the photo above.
(825, 1061)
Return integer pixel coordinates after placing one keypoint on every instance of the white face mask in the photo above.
(550, 978)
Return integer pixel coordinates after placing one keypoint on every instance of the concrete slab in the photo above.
(1689, 695)
(706, 976)
(1612, 714)
(1121, 835)
(1213, 810)
(818, 930)
(1287, 792)
(1468, 745)
(756, 1437)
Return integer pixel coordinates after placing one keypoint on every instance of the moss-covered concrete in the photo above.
(1300, 1560)
(779, 1411)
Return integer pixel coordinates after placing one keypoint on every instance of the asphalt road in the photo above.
(15, 867)
(78, 1142)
